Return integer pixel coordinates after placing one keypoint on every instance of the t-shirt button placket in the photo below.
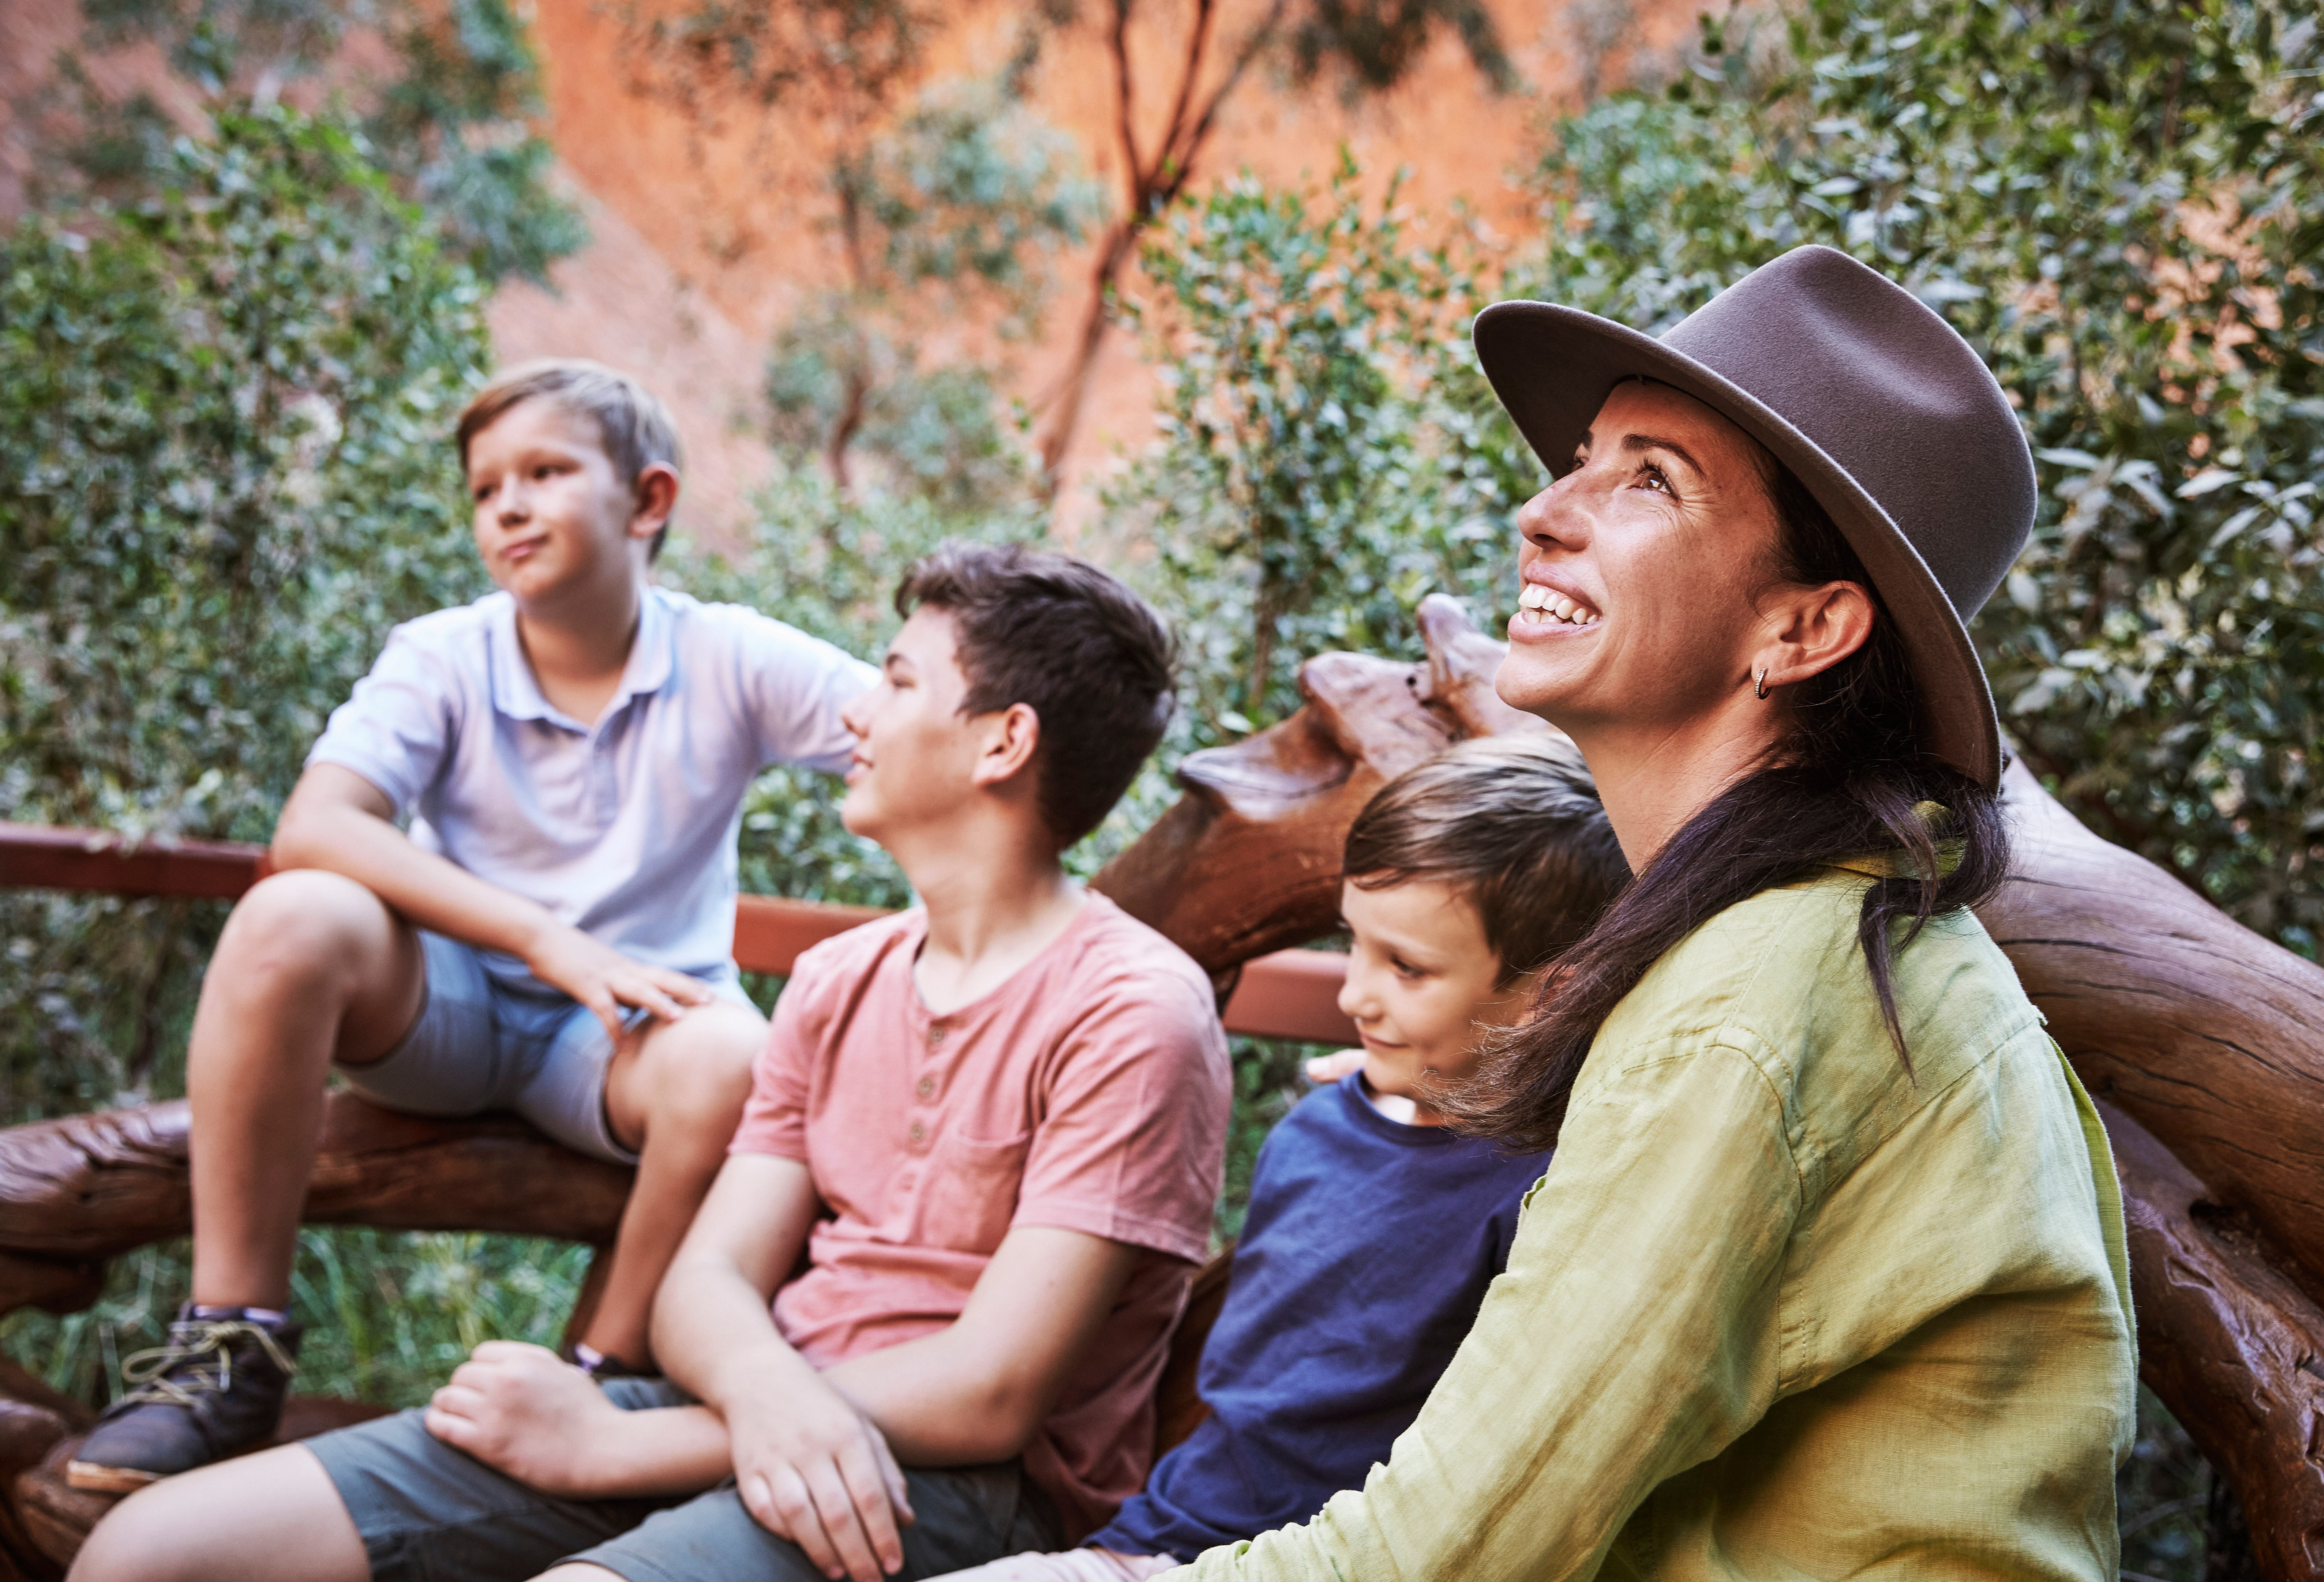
(925, 1088)
(917, 1132)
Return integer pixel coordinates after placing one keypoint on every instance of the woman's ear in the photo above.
(1006, 745)
(1810, 630)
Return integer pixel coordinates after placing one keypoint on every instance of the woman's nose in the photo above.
(1557, 517)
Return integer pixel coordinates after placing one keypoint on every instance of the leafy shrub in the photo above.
(223, 416)
(224, 474)
(1329, 452)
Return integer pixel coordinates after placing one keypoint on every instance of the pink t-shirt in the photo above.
(1088, 1092)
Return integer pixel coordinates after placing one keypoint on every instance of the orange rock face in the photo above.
(707, 238)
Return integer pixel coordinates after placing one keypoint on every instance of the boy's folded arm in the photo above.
(337, 821)
(808, 1462)
(712, 1327)
(980, 1389)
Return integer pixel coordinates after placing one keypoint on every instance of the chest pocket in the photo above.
(971, 1192)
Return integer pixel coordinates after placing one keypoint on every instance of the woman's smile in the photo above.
(1545, 612)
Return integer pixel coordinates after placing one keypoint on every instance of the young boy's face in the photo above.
(551, 514)
(1423, 985)
(915, 752)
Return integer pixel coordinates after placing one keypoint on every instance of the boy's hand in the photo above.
(522, 1410)
(1330, 1067)
(602, 978)
(812, 1468)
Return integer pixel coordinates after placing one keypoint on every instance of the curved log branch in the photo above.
(1262, 821)
(79, 1189)
(2233, 1347)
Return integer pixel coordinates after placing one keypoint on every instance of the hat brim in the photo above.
(1552, 368)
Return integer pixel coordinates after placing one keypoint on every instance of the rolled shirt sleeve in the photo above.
(1633, 1335)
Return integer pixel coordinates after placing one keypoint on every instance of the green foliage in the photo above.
(2120, 207)
(224, 474)
(1376, 43)
(222, 420)
(390, 1316)
(953, 216)
(1329, 452)
(454, 125)
(450, 123)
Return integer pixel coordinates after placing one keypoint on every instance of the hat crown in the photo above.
(1882, 385)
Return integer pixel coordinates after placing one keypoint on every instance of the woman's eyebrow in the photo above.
(1634, 443)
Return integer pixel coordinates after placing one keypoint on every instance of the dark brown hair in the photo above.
(1087, 655)
(633, 427)
(1513, 823)
(1847, 781)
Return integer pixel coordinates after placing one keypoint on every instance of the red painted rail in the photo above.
(1290, 994)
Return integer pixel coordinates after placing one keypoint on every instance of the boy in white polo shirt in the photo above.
(554, 934)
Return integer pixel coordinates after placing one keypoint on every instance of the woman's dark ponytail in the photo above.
(1852, 782)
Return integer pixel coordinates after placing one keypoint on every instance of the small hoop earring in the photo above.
(1759, 687)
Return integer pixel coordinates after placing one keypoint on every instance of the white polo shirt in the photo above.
(624, 829)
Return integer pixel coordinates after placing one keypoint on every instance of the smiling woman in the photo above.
(1827, 1276)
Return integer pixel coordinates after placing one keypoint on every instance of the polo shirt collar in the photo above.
(516, 691)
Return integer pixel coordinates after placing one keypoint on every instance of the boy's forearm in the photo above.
(663, 1450)
(715, 1338)
(428, 891)
(940, 1403)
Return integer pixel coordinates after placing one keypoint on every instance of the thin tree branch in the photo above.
(1197, 44)
(1124, 102)
(1180, 160)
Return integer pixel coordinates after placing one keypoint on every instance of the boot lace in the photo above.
(179, 1372)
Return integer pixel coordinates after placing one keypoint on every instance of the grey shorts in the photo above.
(430, 1513)
(480, 1043)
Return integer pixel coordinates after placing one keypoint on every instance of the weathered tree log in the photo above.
(2235, 1349)
(78, 1191)
(2210, 1036)
(1247, 860)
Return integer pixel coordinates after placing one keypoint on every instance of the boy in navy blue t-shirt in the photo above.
(1373, 1231)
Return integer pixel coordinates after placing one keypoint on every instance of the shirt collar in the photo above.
(516, 691)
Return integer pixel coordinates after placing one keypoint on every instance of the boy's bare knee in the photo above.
(305, 924)
(699, 1068)
(268, 1518)
(139, 1541)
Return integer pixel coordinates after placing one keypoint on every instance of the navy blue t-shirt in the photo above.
(1363, 1261)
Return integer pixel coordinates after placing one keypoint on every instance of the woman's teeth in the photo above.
(1541, 606)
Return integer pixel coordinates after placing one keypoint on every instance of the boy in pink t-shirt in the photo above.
(917, 1322)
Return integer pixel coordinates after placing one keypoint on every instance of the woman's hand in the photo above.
(1332, 1067)
(602, 978)
(811, 1467)
(524, 1410)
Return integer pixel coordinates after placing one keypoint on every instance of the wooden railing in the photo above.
(1287, 994)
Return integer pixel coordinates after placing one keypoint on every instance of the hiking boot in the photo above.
(214, 1390)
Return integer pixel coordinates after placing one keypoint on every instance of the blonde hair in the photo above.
(633, 427)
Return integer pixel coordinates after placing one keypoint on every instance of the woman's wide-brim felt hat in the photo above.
(1875, 404)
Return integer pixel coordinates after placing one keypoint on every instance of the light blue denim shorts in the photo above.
(480, 1044)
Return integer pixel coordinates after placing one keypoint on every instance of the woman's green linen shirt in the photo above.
(1780, 1308)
